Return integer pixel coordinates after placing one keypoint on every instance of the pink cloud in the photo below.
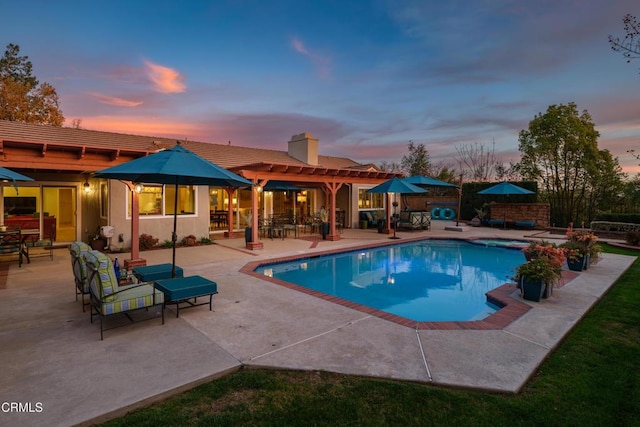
(111, 100)
(298, 46)
(321, 63)
(165, 79)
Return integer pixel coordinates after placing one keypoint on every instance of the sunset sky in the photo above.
(365, 77)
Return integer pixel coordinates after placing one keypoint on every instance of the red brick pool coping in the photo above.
(511, 307)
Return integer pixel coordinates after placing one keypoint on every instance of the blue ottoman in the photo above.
(184, 289)
(151, 273)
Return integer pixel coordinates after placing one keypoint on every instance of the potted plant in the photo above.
(380, 220)
(584, 247)
(248, 229)
(97, 241)
(324, 222)
(533, 277)
(481, 214)
(544, 249)
(576, 254)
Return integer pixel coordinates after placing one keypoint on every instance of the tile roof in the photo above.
(224, 155)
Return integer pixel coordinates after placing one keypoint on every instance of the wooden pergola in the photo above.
(329, 180)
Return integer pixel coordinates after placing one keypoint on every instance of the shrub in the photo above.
(167, 244)
(633, 238)
(189, 240)
(206, 240)
(147, 241)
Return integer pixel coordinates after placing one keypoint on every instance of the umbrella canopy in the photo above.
(9, 175)
(396, 185)
(275, 185)
(427, 181)
(177, 166)
(505, 189)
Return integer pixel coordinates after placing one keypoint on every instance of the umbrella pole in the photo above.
(174, 236)
(504, 219)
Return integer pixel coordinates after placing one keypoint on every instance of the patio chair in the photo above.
(425, 221)
(41, 247)
(78, 251)
(108, 298)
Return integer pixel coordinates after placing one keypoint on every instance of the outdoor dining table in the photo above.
(17, 238)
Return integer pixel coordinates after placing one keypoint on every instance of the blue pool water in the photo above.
(429, 280)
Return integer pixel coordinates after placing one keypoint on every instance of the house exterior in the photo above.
(62, 162)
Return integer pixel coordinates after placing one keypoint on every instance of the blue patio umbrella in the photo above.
(174, 166)
(427, 181)
(396, 185)
(505, 189)
(275, 185)
(9, 175)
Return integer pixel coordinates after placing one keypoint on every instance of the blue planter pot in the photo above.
(578, 264)
(548, 290)
(532, 290)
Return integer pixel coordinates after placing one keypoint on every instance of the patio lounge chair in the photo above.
(108, 298)
(78, 251)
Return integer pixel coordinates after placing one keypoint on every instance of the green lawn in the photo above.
(592, 379)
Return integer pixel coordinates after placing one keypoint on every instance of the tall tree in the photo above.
(606, 185)
(390, 166)
(506, 172)
(560, 151)
(22, 97)
(477, 161)
(629, 45)
(417, 161)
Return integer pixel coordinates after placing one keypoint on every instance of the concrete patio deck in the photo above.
(58, 370)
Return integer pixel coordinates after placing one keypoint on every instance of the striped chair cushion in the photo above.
(103, 282)
(78, 251)
(113, 298)
(8, 249)
(130, 299)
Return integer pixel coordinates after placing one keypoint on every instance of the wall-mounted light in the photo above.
(137, 187)
(87, 186)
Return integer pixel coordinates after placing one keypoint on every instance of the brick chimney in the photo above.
(304, 147)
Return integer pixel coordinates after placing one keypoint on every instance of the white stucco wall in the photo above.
(158, 227)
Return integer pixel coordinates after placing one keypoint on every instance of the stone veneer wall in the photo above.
(538, 212)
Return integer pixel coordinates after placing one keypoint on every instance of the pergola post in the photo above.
(255, 243)
(135, 260)
(230, 233)
(331, 188)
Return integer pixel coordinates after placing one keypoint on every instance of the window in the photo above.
(368, 200)
(104, 200)
(150, 200)
(158, 200)
(186, 200)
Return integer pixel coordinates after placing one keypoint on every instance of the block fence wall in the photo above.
(538, 212)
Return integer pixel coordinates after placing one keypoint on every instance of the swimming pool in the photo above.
(427, 280)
